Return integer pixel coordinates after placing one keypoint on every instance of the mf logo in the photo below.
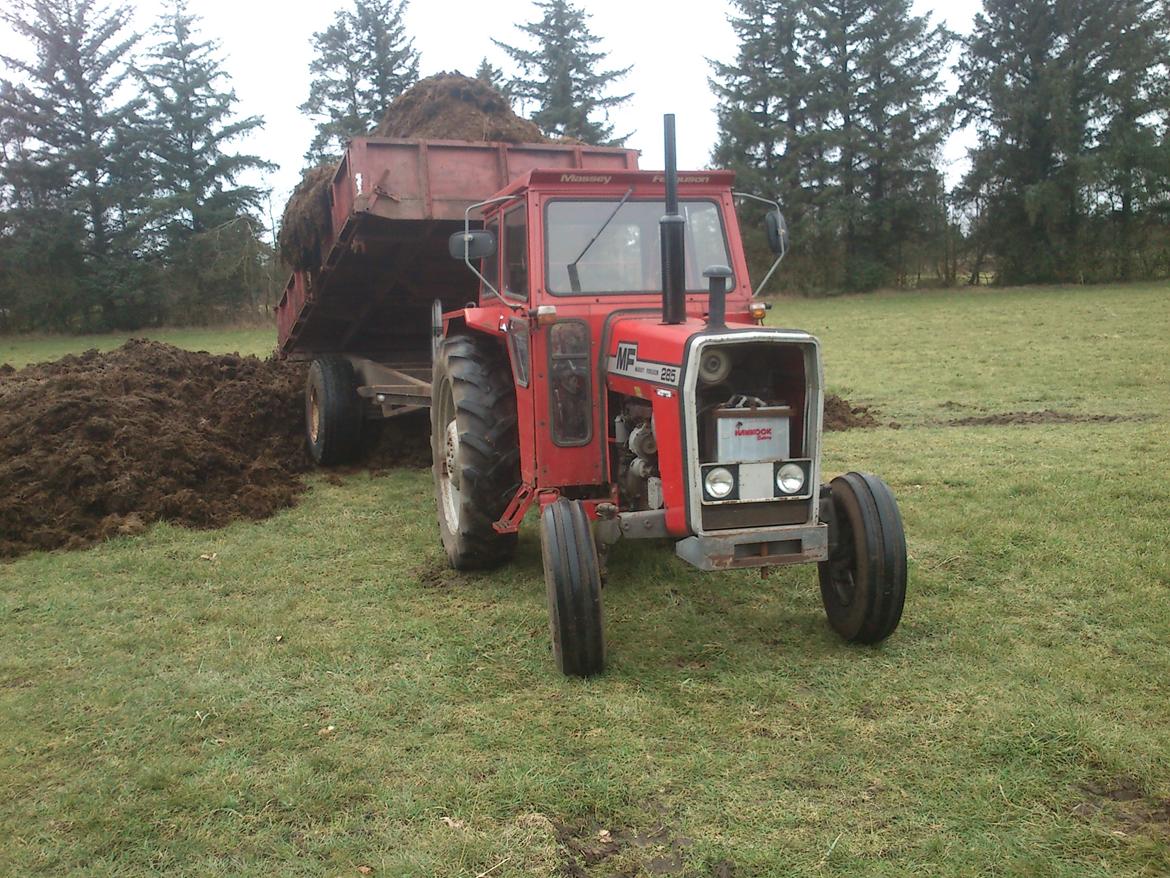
(627, 356)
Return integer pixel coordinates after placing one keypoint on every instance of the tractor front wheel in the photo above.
(572, 580)
(475, 449)
(863, 583)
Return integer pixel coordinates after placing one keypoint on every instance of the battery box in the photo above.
(748, 434)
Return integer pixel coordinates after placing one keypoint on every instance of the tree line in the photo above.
(123, 199)
(840, 107)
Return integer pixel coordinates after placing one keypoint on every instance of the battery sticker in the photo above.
(626, 363)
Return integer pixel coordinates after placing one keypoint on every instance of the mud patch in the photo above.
(436, 573)
(1047, 416)
(626, 852)
(1122, 805)
(104, 444)
(840, 414)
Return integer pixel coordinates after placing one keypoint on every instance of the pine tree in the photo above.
(879, 120)
(363, 61)
(1036, 77)
(763, 118)
(1134, 165)
(836, 105)
(191, 125)
(562, 75)
(489, 74)
(76, 164)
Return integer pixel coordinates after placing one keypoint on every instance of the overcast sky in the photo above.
(266, 47)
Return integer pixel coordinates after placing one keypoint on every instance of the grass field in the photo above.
(316, 695)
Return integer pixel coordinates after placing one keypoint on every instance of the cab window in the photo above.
(516, 252)
(490, 267)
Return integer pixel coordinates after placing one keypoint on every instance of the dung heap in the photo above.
(102, 444)
(304, 227)
(451, 106)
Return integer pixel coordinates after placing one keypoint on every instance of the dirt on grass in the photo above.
(657, 851)
(1121, 804)
(102, 444)
(840, 414)
(1048, 416)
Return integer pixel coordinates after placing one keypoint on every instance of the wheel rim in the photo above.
(843, 563)
(314, 415)
(449, 488)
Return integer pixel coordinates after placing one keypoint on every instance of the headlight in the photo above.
(790, 478)
(714, 366)
(719, 482)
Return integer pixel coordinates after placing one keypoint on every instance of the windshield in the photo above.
(606, 246)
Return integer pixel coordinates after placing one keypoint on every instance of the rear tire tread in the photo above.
(485, 409)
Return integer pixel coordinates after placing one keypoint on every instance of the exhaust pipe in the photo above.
(671, 231)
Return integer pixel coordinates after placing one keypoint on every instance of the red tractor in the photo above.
(616, 371)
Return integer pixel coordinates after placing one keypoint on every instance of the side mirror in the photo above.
(777, 230)
(476, 244)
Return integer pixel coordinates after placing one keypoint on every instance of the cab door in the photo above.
(515, 286)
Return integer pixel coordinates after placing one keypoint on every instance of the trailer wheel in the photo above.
(863, 584)
(475, 449)
(572, 580)
(333, 411)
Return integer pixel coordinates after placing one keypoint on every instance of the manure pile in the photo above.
(446, 106)
(451, 106)
(102, 444)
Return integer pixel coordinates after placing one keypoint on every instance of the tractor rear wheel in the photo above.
(863, 583)
(572, 580)
(475, 450)
(333, 411)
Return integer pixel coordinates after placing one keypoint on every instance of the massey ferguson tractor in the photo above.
(600, 356)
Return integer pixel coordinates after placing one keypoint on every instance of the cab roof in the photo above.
(591, 181)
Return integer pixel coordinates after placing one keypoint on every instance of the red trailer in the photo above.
(366, 313)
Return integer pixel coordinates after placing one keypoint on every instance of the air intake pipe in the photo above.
(672, 227)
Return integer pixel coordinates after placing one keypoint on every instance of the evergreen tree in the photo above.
(562, 75)
(363, 61)
(493, 76)
(192, 125)
(72, 141)
(880, 119)
(836, 105)
(1064, 95)
(1134, 165)
(763, 118)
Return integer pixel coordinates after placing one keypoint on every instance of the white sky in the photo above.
(266, 47)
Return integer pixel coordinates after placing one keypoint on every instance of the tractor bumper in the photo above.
(756, 548)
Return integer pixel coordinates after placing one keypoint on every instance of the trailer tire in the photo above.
(475, 450)
(863, 583)
(572, 580)
(333, 411)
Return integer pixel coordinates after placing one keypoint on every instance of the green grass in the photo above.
(21, 350)
(163, 713)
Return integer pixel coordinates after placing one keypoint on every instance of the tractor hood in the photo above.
(645, 351)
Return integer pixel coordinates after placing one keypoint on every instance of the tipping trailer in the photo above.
(593, 347)
(365, 316)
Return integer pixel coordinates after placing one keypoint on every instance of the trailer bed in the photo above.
(394, 203)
